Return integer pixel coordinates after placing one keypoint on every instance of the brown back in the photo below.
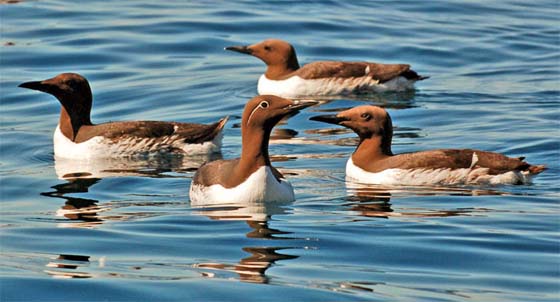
(448, 159)
(334, 69)
(189, 132)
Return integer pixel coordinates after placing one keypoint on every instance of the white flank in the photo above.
(296, 87)
(99, 146)
(261, 186)
(420, 177)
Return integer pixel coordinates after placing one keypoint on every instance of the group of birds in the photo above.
(282, 90)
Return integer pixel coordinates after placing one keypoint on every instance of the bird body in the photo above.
(475, 175)
(285, 77)
(373, 162)
(111, 145)
(261, 185)
(77, 137)
(250, 178)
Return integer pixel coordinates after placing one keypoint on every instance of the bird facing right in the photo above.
(373, 162)
(250, 178)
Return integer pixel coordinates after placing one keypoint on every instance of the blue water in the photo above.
(130, 234)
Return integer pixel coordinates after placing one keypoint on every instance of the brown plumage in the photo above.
(228, 173)
(448, 159)
(74, 94)
(373, 154)
(334, 69)
(260, 115)
(282, 63)
(189, 133)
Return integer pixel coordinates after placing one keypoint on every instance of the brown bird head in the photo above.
(260, 115)
(71, 89)
(265, 111)
(74, 94)
(367, 121)
(279, 56)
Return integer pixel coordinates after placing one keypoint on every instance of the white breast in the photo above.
(99, 146)
(419, 177)
(296, 87)
(261, 186)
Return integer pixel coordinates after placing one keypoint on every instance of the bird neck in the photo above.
(70, 124)
(254, 150)
(371, 149)
(280, 70)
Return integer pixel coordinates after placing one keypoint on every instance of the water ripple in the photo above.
(127, 229)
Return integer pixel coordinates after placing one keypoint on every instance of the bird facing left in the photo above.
(77, 137)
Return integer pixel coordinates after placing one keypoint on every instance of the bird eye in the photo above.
(366, 116)
(267, 48)
(264, 104)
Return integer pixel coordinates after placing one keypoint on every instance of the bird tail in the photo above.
(413, 75)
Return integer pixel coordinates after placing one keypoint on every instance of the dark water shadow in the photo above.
(82, 211)
(375, 200)
(66, 266)
(257, 216)
(390, 100)
(80, 175)
(78, 212)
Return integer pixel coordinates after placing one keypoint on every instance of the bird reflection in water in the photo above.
(374, 200)
(149, 166)
(257, 216)
(80, 175)
(69, 266)
(83, 211)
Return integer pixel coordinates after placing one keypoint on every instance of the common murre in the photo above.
(250, 178)
(77, 137)
(373, 161)
(284, 76)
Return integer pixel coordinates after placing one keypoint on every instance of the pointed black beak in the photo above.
(300, 104)
(329, 118)
(35, 85)
(241, 49)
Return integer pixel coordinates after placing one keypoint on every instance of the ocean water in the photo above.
(129, 233)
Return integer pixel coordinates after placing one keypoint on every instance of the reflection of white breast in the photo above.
(298, 87)
(261, 186)
(420, 177)
(99, 146)
(101, 167)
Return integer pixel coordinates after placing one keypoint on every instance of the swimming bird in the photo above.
(77, 137)
(373, 162)
(284, 76)
(250, 178)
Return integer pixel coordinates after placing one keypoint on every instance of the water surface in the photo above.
(127, 231)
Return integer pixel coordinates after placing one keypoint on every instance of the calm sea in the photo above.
(130, 233)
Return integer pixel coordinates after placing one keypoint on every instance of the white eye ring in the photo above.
(264, 104)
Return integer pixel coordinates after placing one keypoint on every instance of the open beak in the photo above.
(241, 49)
(329, 118)
(300, 104)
